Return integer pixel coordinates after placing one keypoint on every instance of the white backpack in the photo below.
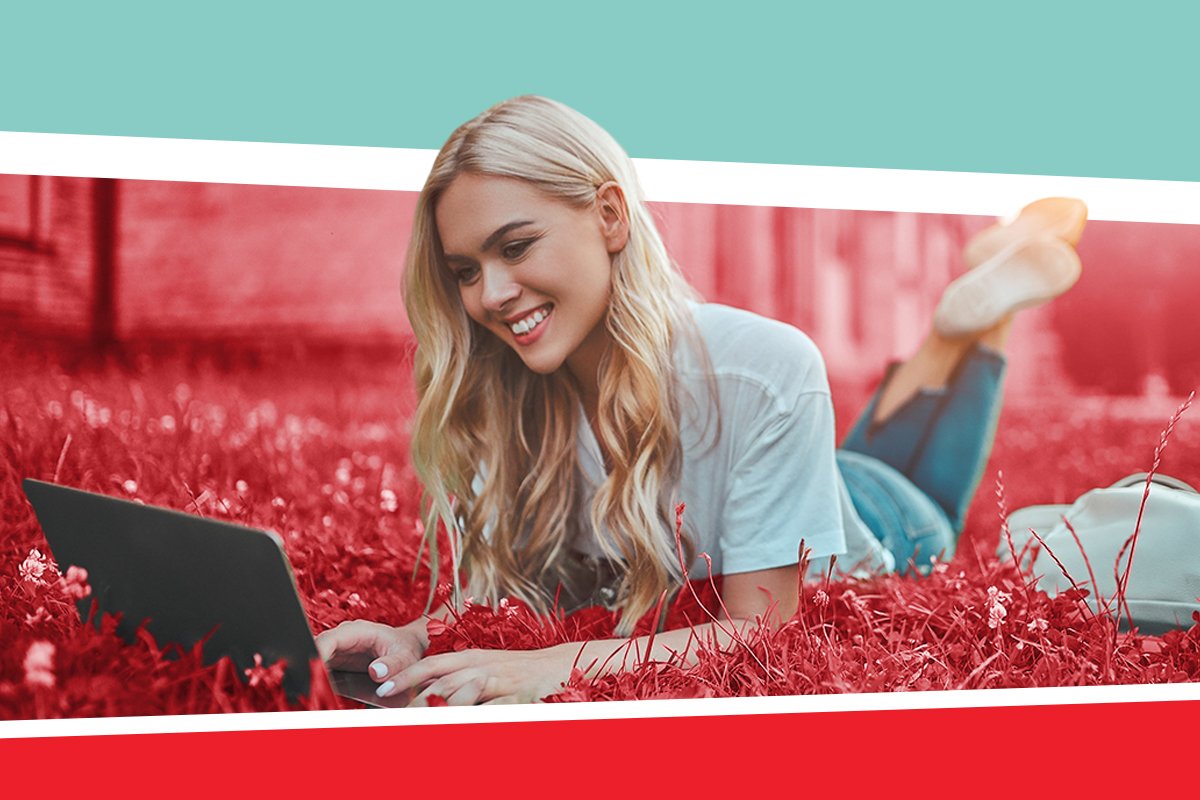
(1164, 582)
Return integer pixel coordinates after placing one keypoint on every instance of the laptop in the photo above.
(190, 576)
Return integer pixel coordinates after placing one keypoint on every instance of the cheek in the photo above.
(600, 282)
(469, 297)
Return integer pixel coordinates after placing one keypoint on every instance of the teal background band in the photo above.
(1064, 88)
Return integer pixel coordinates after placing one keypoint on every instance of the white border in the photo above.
(668, 181)
(710, 182)
(632, 709)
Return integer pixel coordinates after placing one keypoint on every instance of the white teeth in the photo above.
(530, 322)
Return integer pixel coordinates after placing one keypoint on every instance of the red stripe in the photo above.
(1107, 749)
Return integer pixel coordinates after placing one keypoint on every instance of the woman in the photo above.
(572, 391)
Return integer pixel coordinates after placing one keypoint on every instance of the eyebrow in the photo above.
(491, 240)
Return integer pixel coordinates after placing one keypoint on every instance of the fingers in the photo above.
(420, 673)
(428, 669)
(463, 688)
(473, 677)
(373, 647)
(351, 645)
(470, 693)
(392, 661)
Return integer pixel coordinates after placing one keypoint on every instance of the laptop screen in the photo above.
(186, 576)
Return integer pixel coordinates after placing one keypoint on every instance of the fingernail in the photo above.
(378, 669)
(383, 690)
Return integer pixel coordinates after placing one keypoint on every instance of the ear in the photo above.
(614, 216)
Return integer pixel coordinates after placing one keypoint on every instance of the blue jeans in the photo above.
(912, 477)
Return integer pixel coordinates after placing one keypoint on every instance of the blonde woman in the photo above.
(572, 389)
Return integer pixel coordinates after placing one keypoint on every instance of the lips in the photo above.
(528, 328)
(526, 315)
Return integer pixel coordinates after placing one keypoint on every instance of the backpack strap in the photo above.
(1159, 478)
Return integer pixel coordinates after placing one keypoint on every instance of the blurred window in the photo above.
(18, 209)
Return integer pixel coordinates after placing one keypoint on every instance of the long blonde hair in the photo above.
(494, 443)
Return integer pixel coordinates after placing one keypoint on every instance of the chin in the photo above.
(542, 360)
(542, 366)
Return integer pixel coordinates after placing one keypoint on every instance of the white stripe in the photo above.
(894, 701)
(669, 181)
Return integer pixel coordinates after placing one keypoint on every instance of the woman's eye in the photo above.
(466, 275)
(516, 249)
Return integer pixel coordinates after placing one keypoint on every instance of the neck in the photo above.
(584, 365)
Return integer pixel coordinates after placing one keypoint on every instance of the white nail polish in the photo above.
(378, 669)
(385, 688)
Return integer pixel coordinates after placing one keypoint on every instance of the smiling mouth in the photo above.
(531, 322)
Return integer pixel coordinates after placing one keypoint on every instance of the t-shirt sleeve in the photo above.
(784, 488)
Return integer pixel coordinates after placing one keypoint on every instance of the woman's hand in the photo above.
(381, 650)
(471, 677)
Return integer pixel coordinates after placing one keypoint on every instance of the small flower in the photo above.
(38, 616)
(820, 599)
(242, 487)
(996, 610)
(355, 601)
(33, 567)
(39, 665)
(1038, 624)
(388, 501)
(130, 486)
(74, 584)
(268, 676)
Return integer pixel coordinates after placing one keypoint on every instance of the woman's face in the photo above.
(533, 270)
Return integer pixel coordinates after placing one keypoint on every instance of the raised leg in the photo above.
(940, 437)
(932, 365)
(933, 419)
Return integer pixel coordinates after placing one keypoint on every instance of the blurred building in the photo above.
(48, 249)
(155, 259)
(118, 260)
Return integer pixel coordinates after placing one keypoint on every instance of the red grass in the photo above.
(317, 453)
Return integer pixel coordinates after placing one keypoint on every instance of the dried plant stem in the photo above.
(1122, 579)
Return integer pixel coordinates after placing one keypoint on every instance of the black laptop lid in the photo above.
(186, 574)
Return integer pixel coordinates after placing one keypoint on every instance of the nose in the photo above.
(499, 288)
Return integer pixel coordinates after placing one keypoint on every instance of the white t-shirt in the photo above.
(771, 478)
